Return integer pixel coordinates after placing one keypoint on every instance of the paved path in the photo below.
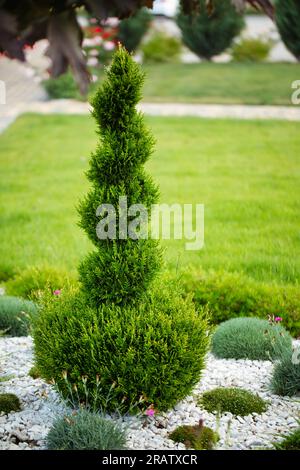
(290, 113)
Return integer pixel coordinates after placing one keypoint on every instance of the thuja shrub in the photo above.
(287, 16)
(232, 295)
(234, 400)
(85, 430)
(121, 269)
(286, 375)
(124, 340)
(16, 315)
(131, 30)
(250, 338)
(128, 358)
(210, 33)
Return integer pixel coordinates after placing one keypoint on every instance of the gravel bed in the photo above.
(27, 428)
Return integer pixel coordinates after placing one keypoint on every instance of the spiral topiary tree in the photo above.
(212, 32)
(121, 268)
(287, 16)
(120, 342)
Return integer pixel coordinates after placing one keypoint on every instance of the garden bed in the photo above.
(28, 428)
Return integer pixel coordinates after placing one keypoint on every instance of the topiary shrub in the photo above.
(31, 282)
(130, 358)
(197, 437)
(234, 295)
(287, 16)
(85, 430)
(290, 442)
(210, 33)
(16, 315)
(251, 50)
(123, 341)
(237, 401)
(250, 338)
(132, 29)
(9, 402)
(161, 48)
(286, 375)
(122, 268)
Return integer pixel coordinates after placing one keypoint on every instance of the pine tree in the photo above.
(121, 269)
(288, 22)
(211, 32)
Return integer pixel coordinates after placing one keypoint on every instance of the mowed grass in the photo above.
(249, 83)
(247, 173)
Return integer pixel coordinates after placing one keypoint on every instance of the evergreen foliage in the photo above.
(9, 402)
(132, 29)
(234, 400)
(132, 357)
(287, 14)
(197, 437)
(286, 375)
(123, 341)
(85, 430)
(250, 338)
(121, 269)
(210, 33)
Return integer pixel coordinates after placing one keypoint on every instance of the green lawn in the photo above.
(265, 83)
(246, 173)
(221, 83)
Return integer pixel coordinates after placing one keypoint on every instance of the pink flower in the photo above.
(278, 319)
(57, 292)
(150, 412)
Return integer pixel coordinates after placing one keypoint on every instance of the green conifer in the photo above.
(120, 270)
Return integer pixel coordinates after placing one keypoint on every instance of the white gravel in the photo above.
(27, 428)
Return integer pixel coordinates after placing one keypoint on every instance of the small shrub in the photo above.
(15, 315)
(151, 354)
(232, 295)
(196, 437)
(34, 373)
(132, 29)
(287, 16)
(251, 50)
(250, 338)
(31, 282)
(237, 401)
(9, 402)
(85, 430)
(290, 442)
(286, 375)
(161, 48)
(62, 87)
(209, 34)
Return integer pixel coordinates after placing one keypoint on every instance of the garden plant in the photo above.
(234, 400)
(212, 32)
(125, 339)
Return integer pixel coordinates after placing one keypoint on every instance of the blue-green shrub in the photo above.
(250, 338)
(286, 375)
(15, 315)
(85, 430)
